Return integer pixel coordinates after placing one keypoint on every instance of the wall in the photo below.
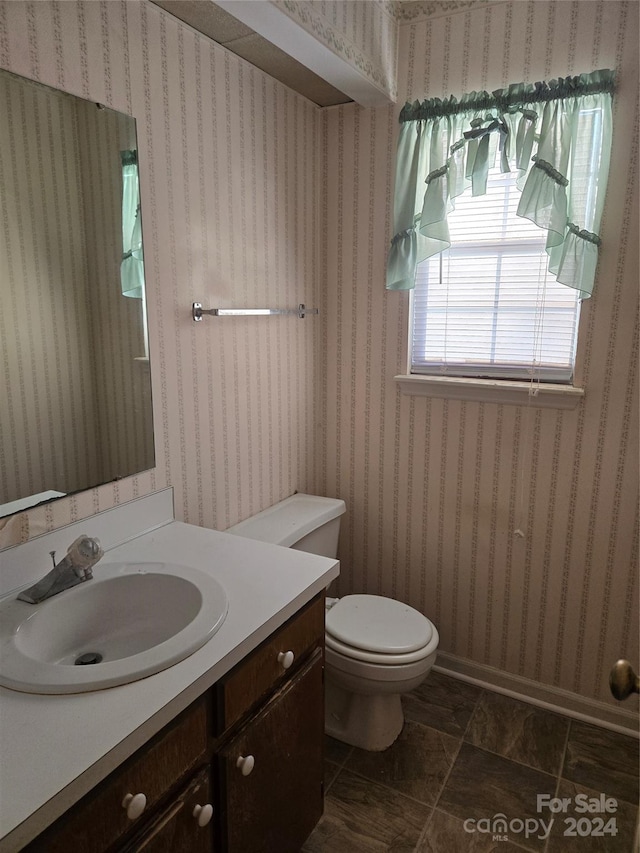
(436, 488)
(363, 33)
(228, 161)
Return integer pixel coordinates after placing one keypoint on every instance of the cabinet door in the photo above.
(276, 805)
(177, 828)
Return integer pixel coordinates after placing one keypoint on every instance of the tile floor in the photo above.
(467, 754)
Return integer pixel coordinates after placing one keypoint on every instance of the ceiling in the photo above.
(212, 21)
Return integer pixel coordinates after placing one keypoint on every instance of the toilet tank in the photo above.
(303, 522)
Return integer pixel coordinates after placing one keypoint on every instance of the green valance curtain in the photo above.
(556, 134)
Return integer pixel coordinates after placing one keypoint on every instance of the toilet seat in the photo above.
(379, 630)
(381, 657)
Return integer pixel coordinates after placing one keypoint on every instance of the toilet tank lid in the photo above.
(287, 522)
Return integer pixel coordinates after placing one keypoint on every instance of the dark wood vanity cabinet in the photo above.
(239, 771)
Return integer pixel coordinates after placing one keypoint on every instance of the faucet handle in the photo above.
(84, 552)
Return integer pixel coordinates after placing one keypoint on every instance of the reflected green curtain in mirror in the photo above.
(132, 267)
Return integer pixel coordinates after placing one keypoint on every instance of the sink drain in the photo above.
(88, 658)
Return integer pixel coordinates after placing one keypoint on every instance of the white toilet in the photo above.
(376, 648)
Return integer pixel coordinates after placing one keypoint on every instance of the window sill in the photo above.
(548, 395)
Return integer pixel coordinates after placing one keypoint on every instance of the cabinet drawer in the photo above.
(177, 828)
(266, 667)
(100, 819)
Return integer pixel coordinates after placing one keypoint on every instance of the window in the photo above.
(488, 306)
(497, 203)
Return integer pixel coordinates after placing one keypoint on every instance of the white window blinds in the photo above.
(488, 306)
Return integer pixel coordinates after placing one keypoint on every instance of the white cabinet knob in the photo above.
(203, 814)
(286, 659)
(245, 764)
(135, 805)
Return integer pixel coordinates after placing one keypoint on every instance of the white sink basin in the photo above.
(134, 619)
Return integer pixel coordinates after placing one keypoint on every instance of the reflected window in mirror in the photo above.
(132, 266)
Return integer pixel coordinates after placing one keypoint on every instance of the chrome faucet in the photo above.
(73, 569)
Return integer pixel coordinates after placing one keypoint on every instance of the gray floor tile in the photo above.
(442, 703)
(335, 754)
(483, 785)
(602, 760)
(447, 834)
(335, 750)
(363, 817)
(330, 772)
(416, 764)
(510, 754)
(519, 731)
(577, 831)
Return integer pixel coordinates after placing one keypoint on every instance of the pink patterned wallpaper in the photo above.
(436, 488)
(229, 167)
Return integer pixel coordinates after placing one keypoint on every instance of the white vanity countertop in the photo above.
(53, 749)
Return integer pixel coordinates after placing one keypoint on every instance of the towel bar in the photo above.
(198, 312)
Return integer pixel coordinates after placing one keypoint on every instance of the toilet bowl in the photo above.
(376, 648)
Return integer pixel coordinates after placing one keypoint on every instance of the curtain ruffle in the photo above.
(403, 256)
(574, 261)
(544, 201)
(516, 94)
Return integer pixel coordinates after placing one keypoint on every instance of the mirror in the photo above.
(75, 382)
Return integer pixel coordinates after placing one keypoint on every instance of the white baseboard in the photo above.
(617, 719)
